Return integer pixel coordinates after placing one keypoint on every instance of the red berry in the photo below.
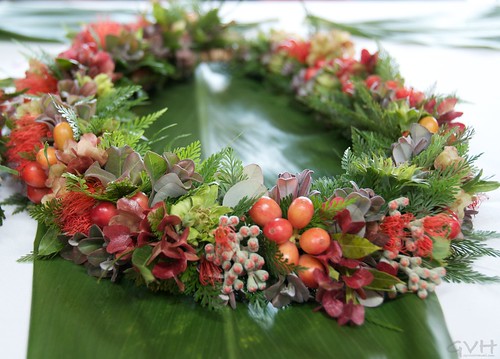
(265, 210)
(290, 252)
(278, 230)
(34, 175)
(141, 199)
(300, 212)
(309, 263)
(102, 213)
(314, 241)
(35, 195)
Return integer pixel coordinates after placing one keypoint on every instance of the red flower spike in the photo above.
(26, 138)
(359, 279)
(370, 61)
(424, 246)
(391, 85)
(394, 227)
(74, 213)
(38, 80)
(441, 225)
(298, 50)
(373, 82)
(209, 273)
(401, 93)
(98, 30)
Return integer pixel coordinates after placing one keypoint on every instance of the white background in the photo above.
(470, 310)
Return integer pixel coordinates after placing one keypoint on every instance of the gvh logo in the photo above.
(477, 349)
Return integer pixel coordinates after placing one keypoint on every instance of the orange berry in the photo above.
(46, 157)
(429, 123)
(62, 133)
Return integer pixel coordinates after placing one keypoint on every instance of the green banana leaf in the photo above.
(223, 110)
(42, 22)
(76, 315)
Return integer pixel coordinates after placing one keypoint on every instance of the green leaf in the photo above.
(139, 259)
(382, 281)
(333, 273)
(151, 325)
(355, 247)
(268, 129)
(156, 166)
(440, 248)
(49, 243)
(8, 170)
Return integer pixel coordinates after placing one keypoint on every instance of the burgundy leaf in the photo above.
(349, 263)
(359, 279)
(333, 307)
(168, 270)
(387, 268)
(79, 165)
(354, 313)
(119, 238)
(346, 224)
(325, 281)
(332, 254)
(447, 105)
(449, 116)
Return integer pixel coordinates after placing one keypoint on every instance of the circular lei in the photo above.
(209, 228)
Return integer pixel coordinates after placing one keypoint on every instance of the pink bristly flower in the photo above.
(209, 273)
(74, 213)
(394, 227)
(97, 32)
(369, 60)
(298, 50)
(38, 80)
(96, 62)
(26, 138)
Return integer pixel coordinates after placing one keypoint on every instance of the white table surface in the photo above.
(471, 311)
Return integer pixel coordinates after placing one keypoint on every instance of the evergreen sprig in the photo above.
(230, 171)
(209, 168)
(21, 202)
(191, 151)
(46, 213)
(119, 100)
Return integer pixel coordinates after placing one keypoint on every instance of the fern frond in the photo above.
(191, 151)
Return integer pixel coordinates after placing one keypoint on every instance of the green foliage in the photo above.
(191, 151)
(425, 159)
(387, 67)
(206, 295)
(209, 168)
(46, 213)
(230, 170)
(116, 190)
(118, 101)
(464, 253)
(370, 142)
(243, 206)
(21, 202)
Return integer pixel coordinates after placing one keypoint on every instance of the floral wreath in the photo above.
(398, 216)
